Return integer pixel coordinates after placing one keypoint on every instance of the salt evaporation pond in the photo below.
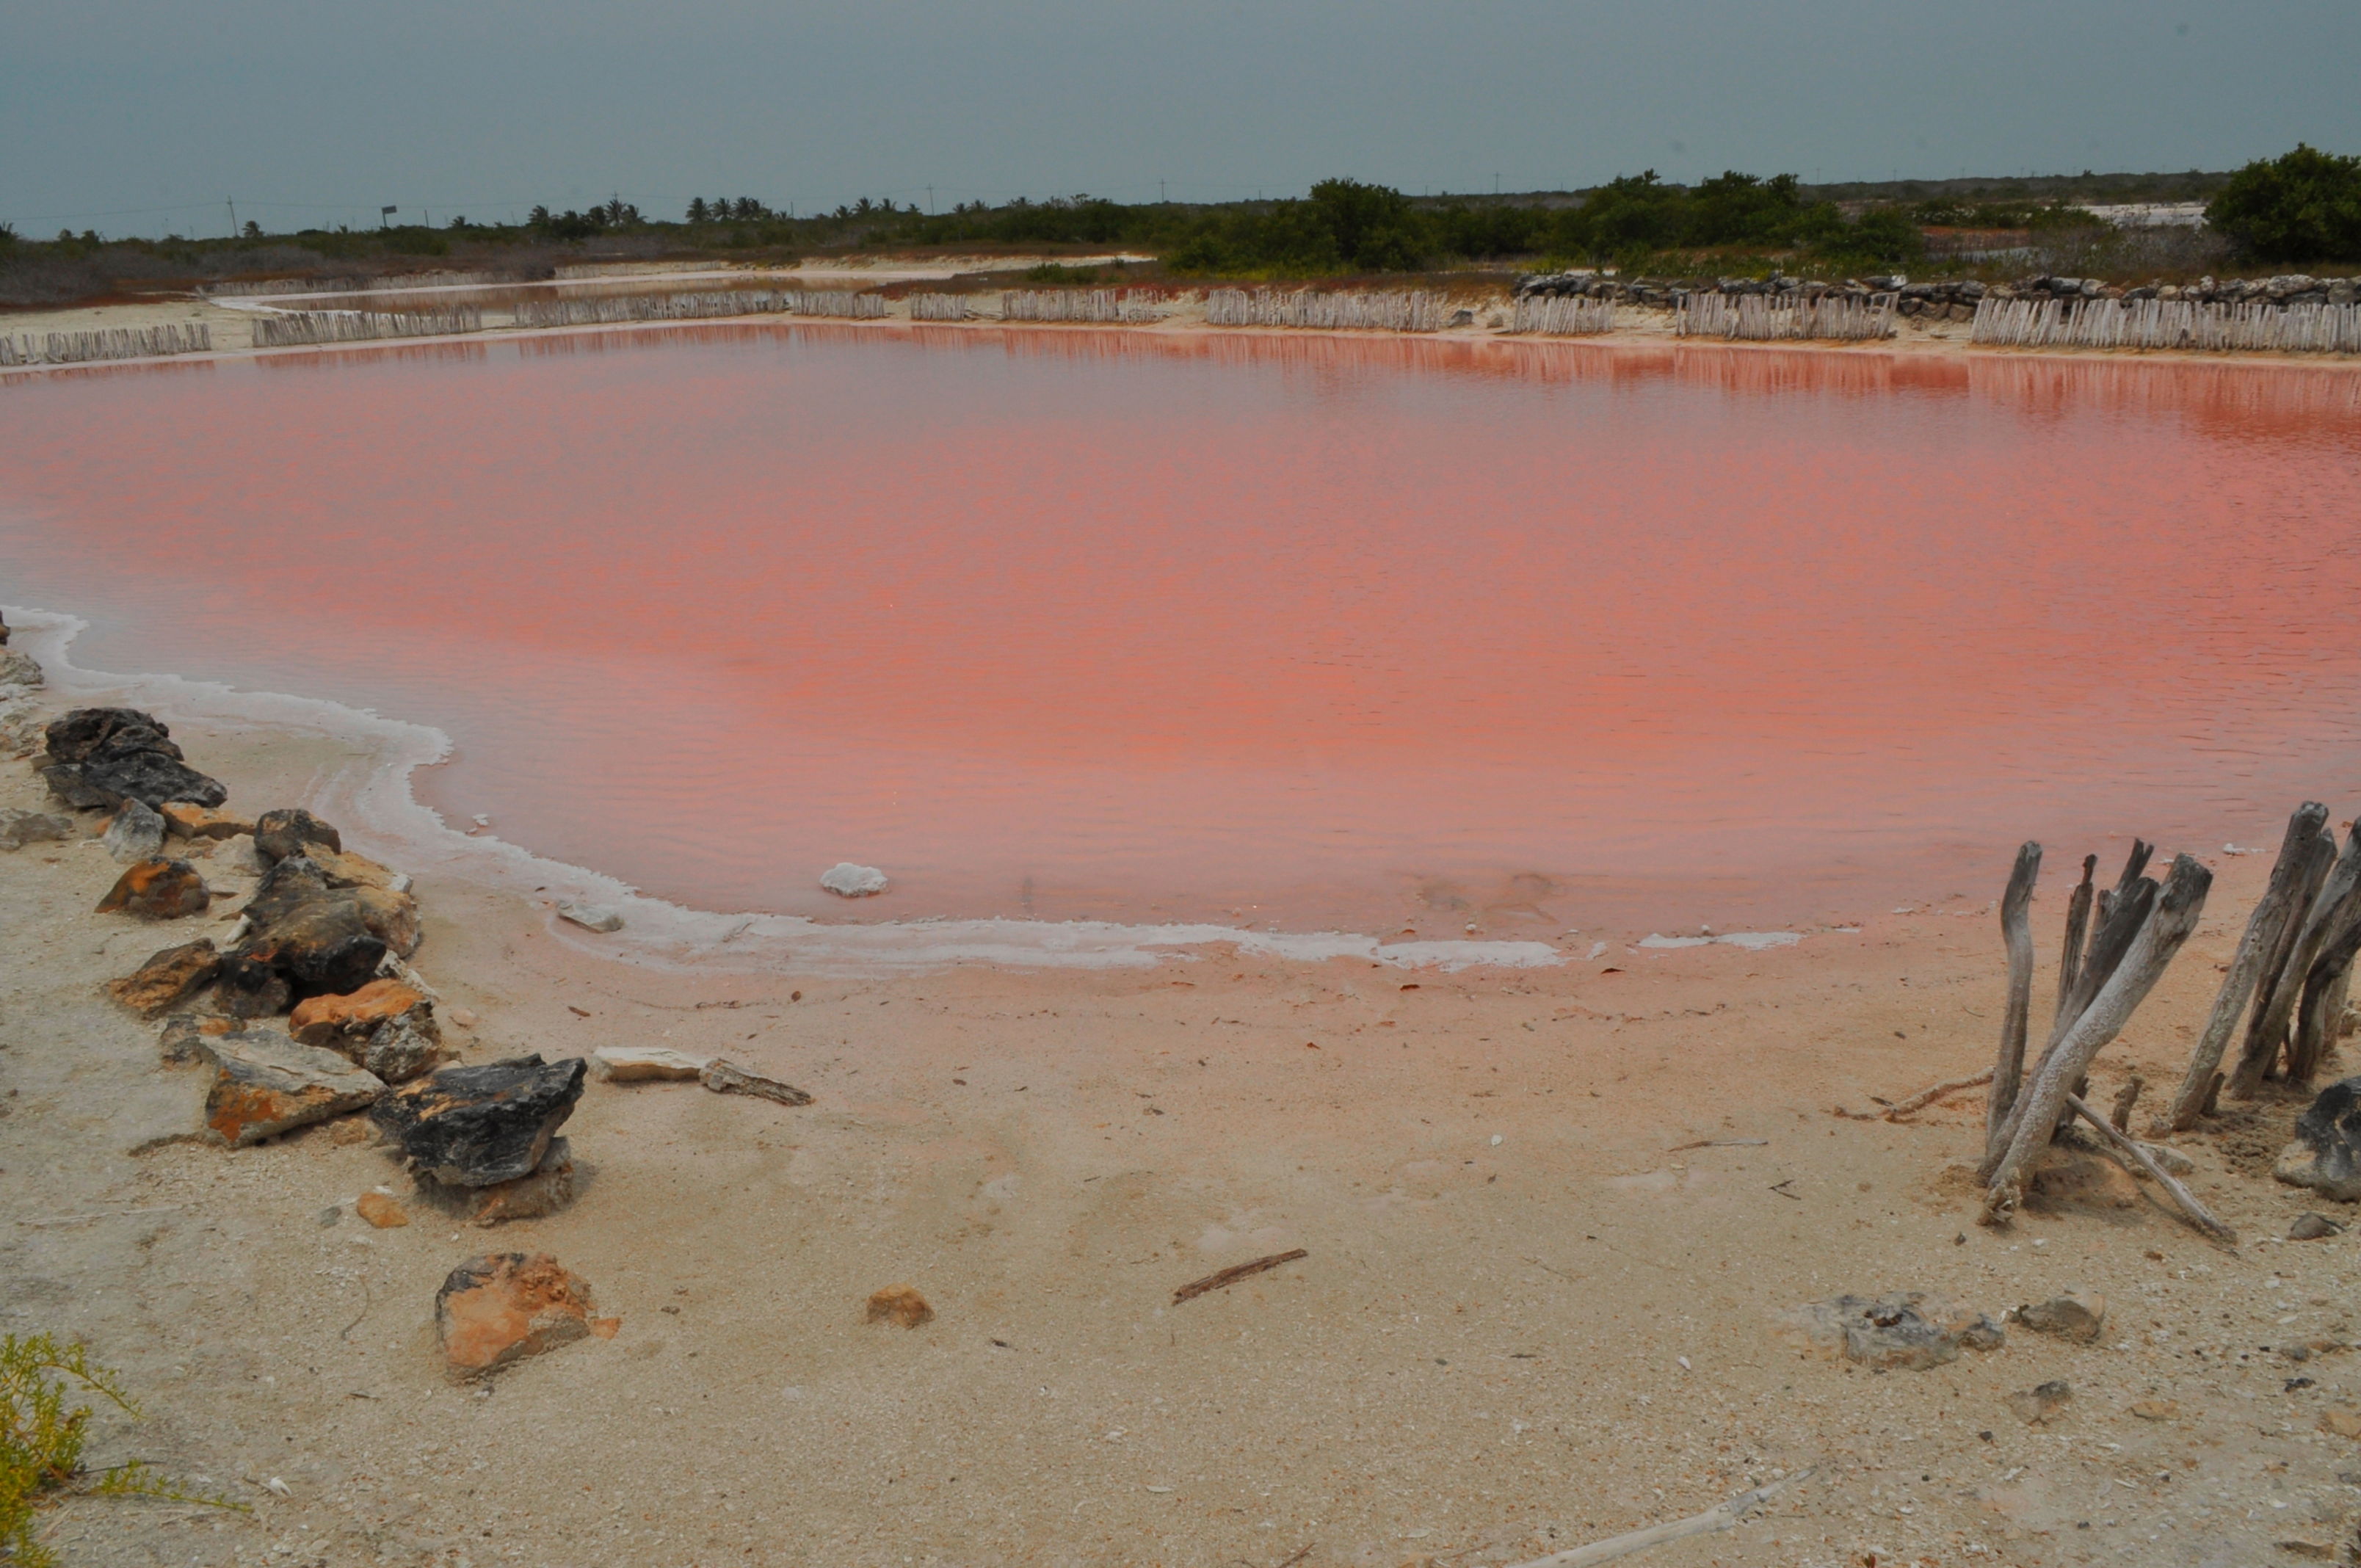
(1307, 633)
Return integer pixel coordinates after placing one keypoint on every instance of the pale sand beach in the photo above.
(1552, 1220)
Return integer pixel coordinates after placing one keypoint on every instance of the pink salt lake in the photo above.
(1312, 633)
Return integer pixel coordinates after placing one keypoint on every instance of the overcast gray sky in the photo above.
(142, 117)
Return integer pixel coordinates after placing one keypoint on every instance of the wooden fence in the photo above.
(298, 329)
(842, 303)
(1760, 318)
(2166, 323)
(939, 308)
(1076, 305)
(1411, 311)
(107, 342)
(621, 308)
(1568, 317)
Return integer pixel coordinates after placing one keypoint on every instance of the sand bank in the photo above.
(1551, 1218)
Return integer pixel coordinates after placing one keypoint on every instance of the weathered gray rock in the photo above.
(474, 1126)
(18, 668)
(18, 828)
(136, 834)
(848, 880)
(2077, 1315)
(2326, 1154)
(280, 833)
(728, 1077)
(1910, 1330)
(401, 1048)
(267, 1084)
(190, 1037)
(2312, 1227)
(2042, 1404)
(590, 916)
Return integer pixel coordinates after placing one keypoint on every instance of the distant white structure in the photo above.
(2152, 214)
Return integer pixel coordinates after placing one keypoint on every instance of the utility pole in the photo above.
(930, 201)
(1160, 200)
(233, 215)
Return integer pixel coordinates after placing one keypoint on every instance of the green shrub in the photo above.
(2301, 206)
(41, 1437)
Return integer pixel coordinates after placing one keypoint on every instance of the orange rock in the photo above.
(2342, 1422)
(268, 1085)
(345, 869)
(547, 1189)
(157, 889)
(900, 1304)
(319, 1020)
(187, 820)
(167, 979)
(2155, 1409)
(381, 1211)
(606, 1328)
(503, 1306)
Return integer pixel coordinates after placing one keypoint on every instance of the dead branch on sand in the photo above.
(1721, 1517)
(1232, 1275)
(2016, 928)
(1925, 1097)
(2329, 908)
(2198, 1213)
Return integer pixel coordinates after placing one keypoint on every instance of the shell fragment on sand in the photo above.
(590, 916)
(848, 880)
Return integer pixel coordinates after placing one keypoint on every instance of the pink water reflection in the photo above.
(1374, 633)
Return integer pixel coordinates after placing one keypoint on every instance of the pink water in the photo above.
(1317, 633)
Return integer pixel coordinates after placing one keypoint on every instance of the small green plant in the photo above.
(1050, 272)
(42, 1433)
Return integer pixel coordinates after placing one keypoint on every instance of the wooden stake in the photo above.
(2272, 913)
(1721, 1517)
(2325, 988)
(2175, 912)
(2077, 929)
(2197, 1212)
(2016, 930)
(2269, 1025)
(2120, 1113)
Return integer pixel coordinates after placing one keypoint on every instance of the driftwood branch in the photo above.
(2174, 915)
(2016, 930)
(727, 1078)
(1721, 1517)
(1925, 1097)
(2198, 1213)
(2268, 1029)
(1232, 1275)
(2297, 852)
(2078, 928)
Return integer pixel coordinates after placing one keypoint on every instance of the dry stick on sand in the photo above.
(1232, 1275)
(2198, 1213)
(2078, 928)
(2174, 915)
(1721, 1517)
(2264, 927)
(2016, 928)
(1925, 1097)
(2268, 1027)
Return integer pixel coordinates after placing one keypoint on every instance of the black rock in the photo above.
(2326, 1153)
(82, 731)
(102, 756)
(321, 947)
(473, 1126)
(279, 834)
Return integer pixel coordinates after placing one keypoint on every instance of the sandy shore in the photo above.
(232, 328)
(1552, 1217)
